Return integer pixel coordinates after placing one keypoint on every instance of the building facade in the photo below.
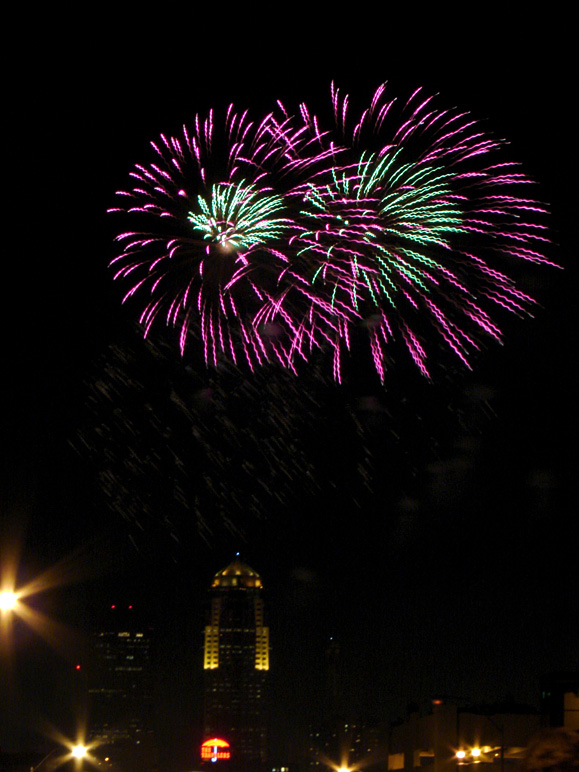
(339, 738)
(236, 664)
(560, 700)
(120, 690)
(449, 739)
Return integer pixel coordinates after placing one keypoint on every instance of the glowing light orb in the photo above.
(8, 600)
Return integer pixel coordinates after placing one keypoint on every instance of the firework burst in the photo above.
(275, 240)
(207, 246)
(411, 228)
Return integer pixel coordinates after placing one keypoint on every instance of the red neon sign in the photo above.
(215, 749)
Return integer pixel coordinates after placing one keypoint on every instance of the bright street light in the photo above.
(8, 600)
(79, 751)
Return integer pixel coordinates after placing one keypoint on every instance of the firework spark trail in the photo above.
(275, 240)
(409, 226)
(208, 239)
(186, 452)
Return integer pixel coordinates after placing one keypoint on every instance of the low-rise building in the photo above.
(451, 738)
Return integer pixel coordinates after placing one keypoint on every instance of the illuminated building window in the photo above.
(236, 661)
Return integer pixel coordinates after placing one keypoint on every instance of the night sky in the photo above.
(429, 527)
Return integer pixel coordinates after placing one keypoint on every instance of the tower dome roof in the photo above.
(239, 575)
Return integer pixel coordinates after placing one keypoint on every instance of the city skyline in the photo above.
(427, 526)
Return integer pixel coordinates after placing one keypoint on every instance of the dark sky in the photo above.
(453, 570)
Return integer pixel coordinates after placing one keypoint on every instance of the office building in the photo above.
(120, 690)
(236, 664)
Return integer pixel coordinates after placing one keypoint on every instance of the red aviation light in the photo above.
(215, 749)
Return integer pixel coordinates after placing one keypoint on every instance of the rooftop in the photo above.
(237, 574)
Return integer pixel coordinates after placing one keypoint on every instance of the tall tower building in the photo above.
(120, 689)
(236, 662)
